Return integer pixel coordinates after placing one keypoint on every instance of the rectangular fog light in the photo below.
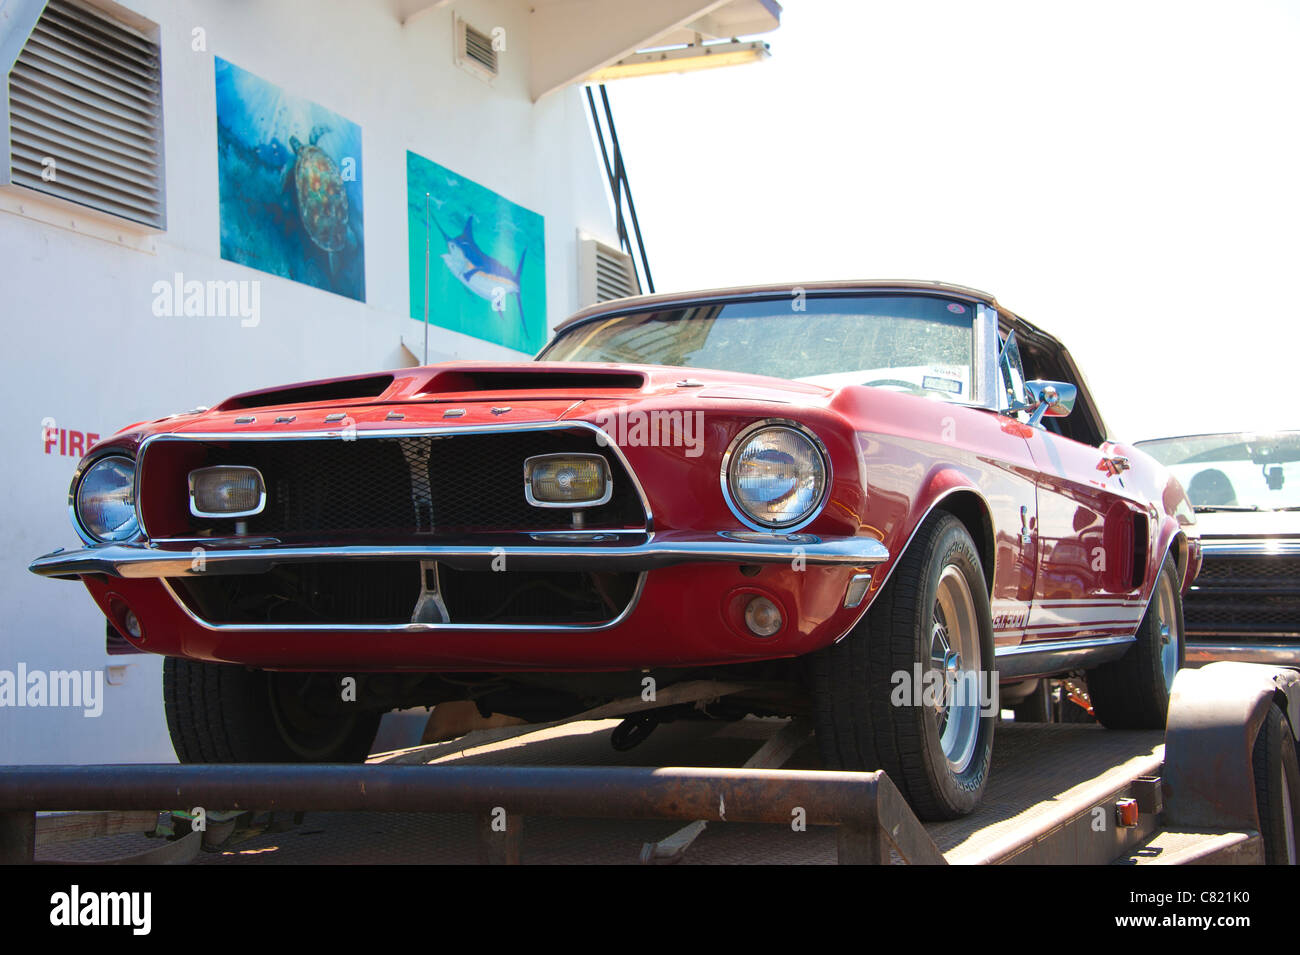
(567, 480)
(226, 491)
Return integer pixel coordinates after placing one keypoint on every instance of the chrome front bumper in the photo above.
(596, 552)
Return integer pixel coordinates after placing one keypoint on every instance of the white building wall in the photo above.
(83, 347)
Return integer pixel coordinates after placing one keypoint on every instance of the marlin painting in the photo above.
(479, 272)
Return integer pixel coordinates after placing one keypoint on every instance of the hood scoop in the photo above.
(371, 386)
(460, 381)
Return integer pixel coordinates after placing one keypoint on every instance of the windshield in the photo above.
(1238, 471)
(913, 343)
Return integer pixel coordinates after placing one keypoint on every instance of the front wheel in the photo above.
(224, 713)
(912, 689)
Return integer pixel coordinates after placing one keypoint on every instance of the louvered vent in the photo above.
(478, 48)
(85, 107)
(474, 50)
(606, 273)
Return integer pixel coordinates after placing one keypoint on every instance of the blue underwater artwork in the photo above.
(487, 258)
(289, 185)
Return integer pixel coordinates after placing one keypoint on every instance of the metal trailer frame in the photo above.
(1207, 790)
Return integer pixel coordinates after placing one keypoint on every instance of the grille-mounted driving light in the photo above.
(567, 480)
(226, 491)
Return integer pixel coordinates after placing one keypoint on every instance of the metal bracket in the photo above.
(429, 606)
(773, 754)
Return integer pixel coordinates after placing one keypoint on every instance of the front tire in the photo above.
(1132, 693)
(934, 740)
(225, 713)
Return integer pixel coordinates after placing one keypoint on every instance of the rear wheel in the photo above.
(908, 690)
(224, 713)
(1133, 691)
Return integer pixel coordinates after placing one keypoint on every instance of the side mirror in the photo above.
(1050, 399)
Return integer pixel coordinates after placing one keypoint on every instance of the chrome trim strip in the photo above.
(1055, 646)
(602, 438)
(1209, 636)
(1276, 654)
(593, 533)
(141, 562)
(750, 293)
(1046, 657)
(1246, 547)
(409, 627)
(985, 347)
(725, 477)
(251, 541)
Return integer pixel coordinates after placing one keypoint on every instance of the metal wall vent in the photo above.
(85, 114)
(475, 51)
(604, 273)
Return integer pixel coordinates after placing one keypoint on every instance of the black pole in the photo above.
(622, 172)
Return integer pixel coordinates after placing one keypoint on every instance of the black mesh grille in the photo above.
(359, 592)
(1245, 595)
(423, 485)
(386, 592)
(477, 596)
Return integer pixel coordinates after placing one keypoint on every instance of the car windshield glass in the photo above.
(1241, 470)
(912, 343)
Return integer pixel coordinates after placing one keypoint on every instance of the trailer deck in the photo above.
(1058, 793)
(1043, 774)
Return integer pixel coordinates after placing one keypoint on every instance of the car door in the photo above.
(1091, 538)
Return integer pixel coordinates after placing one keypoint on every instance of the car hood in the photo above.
(1234, 525)
(486, 392)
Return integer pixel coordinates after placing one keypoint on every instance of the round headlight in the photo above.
(776, 476)
(105, 499)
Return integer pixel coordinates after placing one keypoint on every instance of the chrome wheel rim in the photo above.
(1166, 625)
(955, 657)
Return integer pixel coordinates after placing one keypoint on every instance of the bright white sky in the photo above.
(1124, 174)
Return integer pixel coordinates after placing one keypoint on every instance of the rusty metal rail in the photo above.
(866, 807)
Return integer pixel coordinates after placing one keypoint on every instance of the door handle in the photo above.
(1113, 464)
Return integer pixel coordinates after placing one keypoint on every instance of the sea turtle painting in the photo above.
(316, 185)
(289, 185)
